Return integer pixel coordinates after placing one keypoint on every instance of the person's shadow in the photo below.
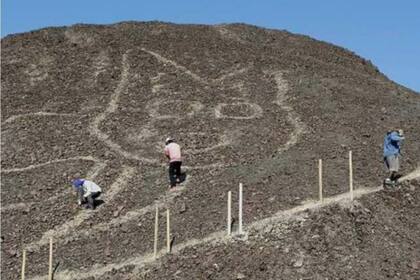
(98, 202)
(55, 270)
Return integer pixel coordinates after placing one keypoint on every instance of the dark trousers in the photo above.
(90, 199)
(174, 172)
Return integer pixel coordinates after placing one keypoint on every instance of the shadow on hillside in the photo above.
(98, 202)
(55, 270)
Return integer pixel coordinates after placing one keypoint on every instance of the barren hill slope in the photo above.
(247, 105)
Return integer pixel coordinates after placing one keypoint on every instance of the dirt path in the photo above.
(292, 116)
(33, 166)
(176, 65)
(101, 63)
(220, 236)
(413, 175)
(230, 72)
(37, 114)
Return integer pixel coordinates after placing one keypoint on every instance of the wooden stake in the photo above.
(229, 216)
(156, 233)
(240, 209)
(50, 270)
(168, 232)
(351, 175)
(320, 180)
(23, 264)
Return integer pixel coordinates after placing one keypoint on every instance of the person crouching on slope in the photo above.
(173, 153)
(392, 152)
(87, 192)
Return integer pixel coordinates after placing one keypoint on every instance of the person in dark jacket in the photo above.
(392, 154)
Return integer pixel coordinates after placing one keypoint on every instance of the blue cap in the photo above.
(78, 182)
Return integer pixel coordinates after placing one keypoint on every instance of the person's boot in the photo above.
(395, 182)
(387, 183)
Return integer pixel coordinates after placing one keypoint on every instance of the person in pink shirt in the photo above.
(173, 153)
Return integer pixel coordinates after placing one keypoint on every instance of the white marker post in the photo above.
(229, 216)
(156, 233)
(23, 264)
(168, 232)
(240, 209)
(351, 175)
(50, 270)
(320, 180)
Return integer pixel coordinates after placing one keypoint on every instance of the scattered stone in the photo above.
(240, 276)
(126, 242)
(268, 229)
(415, 264)
(183, 208)
(299, 262)
(12, 252)
(118, 211)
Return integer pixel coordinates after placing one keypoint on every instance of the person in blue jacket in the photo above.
(392, 153)
(87, 192)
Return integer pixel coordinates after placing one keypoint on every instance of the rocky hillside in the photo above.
(246, 104)
(376, 237)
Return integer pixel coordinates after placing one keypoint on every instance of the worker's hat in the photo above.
(77, 182)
